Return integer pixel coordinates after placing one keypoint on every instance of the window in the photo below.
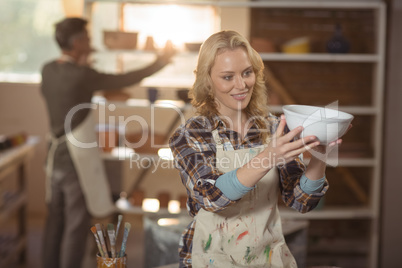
(26, 30)
(178, 23)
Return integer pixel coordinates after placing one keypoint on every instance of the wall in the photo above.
(391, 235)
(236, 18)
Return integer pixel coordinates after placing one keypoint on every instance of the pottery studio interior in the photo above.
(107, 157)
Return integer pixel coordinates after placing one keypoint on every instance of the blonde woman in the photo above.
(234, 159)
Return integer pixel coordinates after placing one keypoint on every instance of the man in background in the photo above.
(77, 187)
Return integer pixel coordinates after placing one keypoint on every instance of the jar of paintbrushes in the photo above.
(110, 255)
(103, 262)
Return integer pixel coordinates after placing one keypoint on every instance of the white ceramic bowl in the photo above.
(326, 124)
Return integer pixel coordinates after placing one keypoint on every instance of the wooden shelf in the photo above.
(286, 213)
(320, 57)
(256, 4)
(341, 246)
(328, 213)
(274, 56)
(355, 110)
(143, 103)
(124, 206)
(17, 246)
(11, 206)
(350, 162)
(168, 104)
(152, 158)
(12, 157)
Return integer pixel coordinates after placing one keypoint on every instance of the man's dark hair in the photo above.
(68, 28)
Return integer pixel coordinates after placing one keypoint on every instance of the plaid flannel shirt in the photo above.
(194, 151)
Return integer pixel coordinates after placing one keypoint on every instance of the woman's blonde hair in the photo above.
(202, 93)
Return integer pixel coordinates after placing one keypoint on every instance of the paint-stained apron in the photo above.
(247, 233)
(89, 167)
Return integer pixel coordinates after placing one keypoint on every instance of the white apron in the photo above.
(89, 167)
(247, 233)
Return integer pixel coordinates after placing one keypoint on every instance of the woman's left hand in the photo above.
(324, 150)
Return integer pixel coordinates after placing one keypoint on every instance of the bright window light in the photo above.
(165, 154)
(174, 207)
(122, 152)
(150, 205)
(168, 221)
(177, 23)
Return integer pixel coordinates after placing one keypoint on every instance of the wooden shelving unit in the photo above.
(13, 164)
(355, 79)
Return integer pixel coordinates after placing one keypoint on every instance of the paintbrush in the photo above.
(104, 231)
(119, 219)
(127, 227)
(112, 239)
(93, 230)
(101, 239)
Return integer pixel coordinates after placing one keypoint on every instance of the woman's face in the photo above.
(233, 80)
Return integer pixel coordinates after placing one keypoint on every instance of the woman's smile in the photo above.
(240, 97)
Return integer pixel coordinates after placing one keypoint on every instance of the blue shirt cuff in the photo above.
(230, 185)
(311, 186)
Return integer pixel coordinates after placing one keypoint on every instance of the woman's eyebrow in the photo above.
(227, 72)
(232, 72)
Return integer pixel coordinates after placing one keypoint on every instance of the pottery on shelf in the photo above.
(338, 43)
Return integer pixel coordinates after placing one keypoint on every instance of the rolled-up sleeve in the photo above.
(292, 194)
(194, 157)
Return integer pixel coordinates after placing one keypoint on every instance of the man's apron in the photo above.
(247, 233)
(89, 167)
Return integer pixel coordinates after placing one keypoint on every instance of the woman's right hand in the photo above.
(283, 148)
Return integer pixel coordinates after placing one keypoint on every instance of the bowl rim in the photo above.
(288, 108)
